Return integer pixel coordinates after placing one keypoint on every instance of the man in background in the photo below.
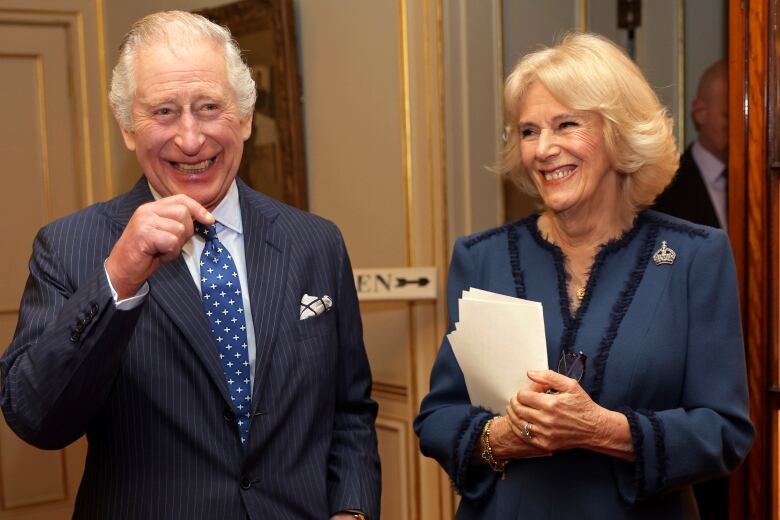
(205, 337)
(699, 191)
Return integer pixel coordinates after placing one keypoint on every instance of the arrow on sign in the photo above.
(422, 282)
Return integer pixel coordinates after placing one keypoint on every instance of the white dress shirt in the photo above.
(230, 232)
(712, 174)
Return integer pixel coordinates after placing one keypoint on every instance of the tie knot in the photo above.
(207, 232)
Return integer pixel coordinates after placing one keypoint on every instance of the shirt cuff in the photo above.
(128, 303)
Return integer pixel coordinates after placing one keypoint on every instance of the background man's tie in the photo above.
(222, 301)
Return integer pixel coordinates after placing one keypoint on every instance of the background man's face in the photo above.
(187, 133)
(711, 115)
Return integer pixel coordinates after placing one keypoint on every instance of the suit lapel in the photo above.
(175, 292)
(266, 248)
(172, 288)
(705, 210)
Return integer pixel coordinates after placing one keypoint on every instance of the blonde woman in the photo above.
(646, 392)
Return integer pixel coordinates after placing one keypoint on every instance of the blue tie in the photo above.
(221, 293)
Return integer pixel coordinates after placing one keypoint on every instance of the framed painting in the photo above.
(773, 87)
(273, 161)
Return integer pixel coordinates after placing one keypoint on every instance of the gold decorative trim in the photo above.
(84, 115)
(406, 132)
(464, 151)
(442, 140)
(36, 12)
(499, 7)
(105, 113)
(681, 108)
(406, 167)
(9, 311)
(45, 172)
(498, 106)
(72, 21)
(582, 12)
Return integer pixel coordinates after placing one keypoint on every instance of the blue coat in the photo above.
(664, 347)
(147, 387)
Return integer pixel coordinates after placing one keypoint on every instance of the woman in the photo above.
(650, 301)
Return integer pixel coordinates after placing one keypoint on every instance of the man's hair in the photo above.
(176, 28)
(588, 72)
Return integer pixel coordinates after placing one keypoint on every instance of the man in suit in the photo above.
(698, 192)
(214, 377)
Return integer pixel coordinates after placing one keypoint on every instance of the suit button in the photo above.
(93, 310)
(229, 416)
(75, 337)
(246, 483)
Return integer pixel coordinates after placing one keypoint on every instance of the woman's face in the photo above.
(563, 152)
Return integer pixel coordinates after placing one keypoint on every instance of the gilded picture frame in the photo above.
(273, 161)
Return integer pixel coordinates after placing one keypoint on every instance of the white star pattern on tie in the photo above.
(228, 326)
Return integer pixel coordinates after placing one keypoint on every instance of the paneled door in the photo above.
(52, 140)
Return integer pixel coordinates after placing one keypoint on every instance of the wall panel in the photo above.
(53, 141)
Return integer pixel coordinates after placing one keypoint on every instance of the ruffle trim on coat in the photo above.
(637, 440)
(514, 260)
(560, 269)
(572, 323)
(680, 226)
(471, 435)
(620, 308)
(471, 242)
(659, 435)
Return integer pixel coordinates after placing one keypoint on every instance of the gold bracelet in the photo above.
(498, 466)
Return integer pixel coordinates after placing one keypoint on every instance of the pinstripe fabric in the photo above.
(147, 388)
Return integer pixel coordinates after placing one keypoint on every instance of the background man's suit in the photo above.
(687, 196)
(147, 387)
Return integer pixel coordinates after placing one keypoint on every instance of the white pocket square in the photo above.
(314, 306)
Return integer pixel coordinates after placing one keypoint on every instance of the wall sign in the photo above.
(395, 283)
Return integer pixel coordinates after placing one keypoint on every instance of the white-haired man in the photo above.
(205, 337)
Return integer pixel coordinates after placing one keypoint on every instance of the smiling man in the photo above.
(205, 337)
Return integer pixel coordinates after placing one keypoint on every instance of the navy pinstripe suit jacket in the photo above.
(147, 388)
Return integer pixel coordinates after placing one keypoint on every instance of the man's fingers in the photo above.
(181, 230)
(196, 211)
(163, 243)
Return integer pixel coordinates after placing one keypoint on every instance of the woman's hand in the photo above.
(566, 418)
(506, 444)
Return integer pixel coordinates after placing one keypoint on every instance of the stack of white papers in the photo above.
(496, 341)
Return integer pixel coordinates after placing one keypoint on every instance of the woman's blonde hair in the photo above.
(589, 72)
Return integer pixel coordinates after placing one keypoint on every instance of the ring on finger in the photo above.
(527, 432)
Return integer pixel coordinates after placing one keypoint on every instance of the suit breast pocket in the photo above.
(316, 326)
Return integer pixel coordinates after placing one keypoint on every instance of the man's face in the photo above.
(187, 133)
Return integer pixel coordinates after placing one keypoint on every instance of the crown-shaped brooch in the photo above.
(665, 255)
